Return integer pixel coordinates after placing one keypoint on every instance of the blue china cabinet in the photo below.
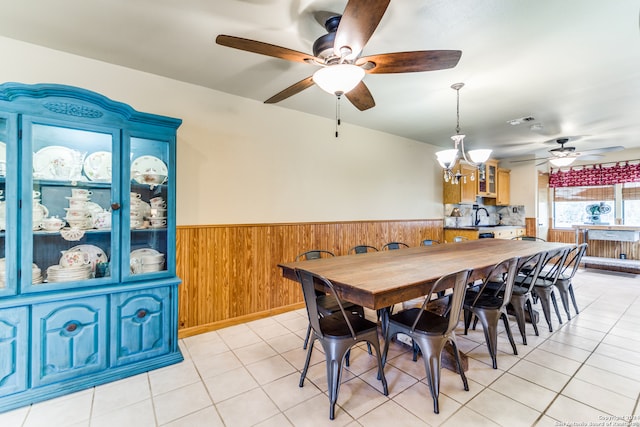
(88, 286)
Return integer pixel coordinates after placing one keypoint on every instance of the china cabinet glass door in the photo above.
(67, 210)
(149, 198)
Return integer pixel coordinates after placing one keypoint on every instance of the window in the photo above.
(631, 203)
(584, 205)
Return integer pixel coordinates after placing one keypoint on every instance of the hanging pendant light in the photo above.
(447, 158)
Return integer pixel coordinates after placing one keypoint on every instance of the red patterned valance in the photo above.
(592, 175)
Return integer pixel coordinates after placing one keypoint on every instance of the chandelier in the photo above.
(447, 158)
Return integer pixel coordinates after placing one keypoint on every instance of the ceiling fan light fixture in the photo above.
(562, 161)
(338, 79)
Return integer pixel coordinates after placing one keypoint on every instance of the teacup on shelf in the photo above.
(52, 224)
(74, 258)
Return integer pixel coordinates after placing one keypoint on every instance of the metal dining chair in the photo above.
(337, 334)
(428, 242)
(327, 305)
(545, 284)
(362, 249)
(530, 238)
(490, 306)
(567, 271)
(527, 273)
(431, 331)
(394, 245)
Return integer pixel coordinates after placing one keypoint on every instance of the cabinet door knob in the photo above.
(115, 206)
(141, 313)
(72, 327)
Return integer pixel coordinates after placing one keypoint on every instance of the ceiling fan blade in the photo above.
(601, 150)
(410, 62)
(360, 97)
(525, 160)
(589, 157)
(263, 48)
(359, 20)
(291, 90)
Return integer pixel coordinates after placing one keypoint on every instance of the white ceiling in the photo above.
(572, 65)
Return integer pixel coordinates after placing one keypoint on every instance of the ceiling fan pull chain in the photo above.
(337, 113)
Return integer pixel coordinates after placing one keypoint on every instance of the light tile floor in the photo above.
(587, 372)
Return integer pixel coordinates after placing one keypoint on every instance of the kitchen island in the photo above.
(611, 247)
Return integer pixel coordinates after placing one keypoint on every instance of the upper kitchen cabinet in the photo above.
(503, 197)
(487, 179)
(88, 286)
(463, 192)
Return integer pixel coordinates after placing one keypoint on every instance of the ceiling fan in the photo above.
(339, 51)
(564, 156)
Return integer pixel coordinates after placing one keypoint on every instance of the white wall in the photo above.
(241, 161)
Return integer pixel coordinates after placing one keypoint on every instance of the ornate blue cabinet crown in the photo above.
(88, 286)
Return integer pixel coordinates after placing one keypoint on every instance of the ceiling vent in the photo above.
(515, 122)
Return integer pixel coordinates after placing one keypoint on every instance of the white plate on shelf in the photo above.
(55, 162)
(97, 166)
(96, 254)
(148, 164)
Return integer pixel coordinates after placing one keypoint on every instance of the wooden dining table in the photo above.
(378, 280)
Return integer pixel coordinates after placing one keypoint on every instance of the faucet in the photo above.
(477, 212)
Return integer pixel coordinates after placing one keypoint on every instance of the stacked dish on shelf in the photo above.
(77, 263)
(58, 273)
(140, 210)
(36, 274)
(81, 209)
(146, 260)
(158, 218)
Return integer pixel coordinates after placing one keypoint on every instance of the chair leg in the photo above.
(545, 300)
(432, 365)
(489, 320)
(456, 352)
(529, 305)
(573, 298)
(306, 338)
(467, 320)
(333, 379)
(416, 350)
(507, 327)
(564, 297)
(552, 297)
(518, 303)
(306, 365)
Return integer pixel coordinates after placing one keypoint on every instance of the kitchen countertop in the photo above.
(606, 227)
(483, 227)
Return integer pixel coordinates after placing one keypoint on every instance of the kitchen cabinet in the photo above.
(487, 175)
(472, 233)
(464, 192)
(88, 285)
(503, 197)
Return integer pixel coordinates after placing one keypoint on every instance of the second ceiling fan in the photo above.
(338, 53)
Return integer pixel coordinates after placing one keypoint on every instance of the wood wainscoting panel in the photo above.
(229, 272)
